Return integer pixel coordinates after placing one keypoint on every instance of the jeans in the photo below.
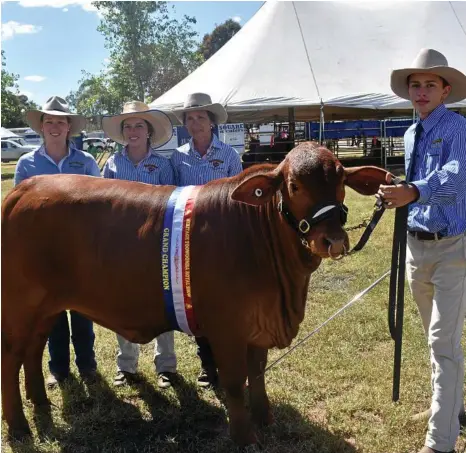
(82, 337)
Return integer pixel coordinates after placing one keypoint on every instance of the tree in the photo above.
(14, 104)
(149, 52)
(95, 96)
(218, 38)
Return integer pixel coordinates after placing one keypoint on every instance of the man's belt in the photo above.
(425, 236)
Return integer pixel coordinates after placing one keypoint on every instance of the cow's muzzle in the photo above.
(338, 257)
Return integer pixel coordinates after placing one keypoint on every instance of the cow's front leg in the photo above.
(231, 359)
(258, 401)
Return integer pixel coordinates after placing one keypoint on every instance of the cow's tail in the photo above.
(9, 203)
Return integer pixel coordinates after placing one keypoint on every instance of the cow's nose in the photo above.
(336, 247)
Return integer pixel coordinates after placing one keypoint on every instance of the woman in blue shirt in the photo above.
(55, 123)
(141, 130)
(203, 159)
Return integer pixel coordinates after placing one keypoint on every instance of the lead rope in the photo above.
(341, 310)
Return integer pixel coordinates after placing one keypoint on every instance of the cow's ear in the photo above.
(258, 189)
(366, 180)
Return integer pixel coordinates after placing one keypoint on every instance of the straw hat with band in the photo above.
(163, 128)
(432, 62)
(56, 106)
(202, 101)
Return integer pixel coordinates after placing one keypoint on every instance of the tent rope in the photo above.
(307, 53)
(457, 18)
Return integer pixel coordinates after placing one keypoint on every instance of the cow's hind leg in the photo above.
(13, 351)
(258, 401)
(231, 359)
(34, 377)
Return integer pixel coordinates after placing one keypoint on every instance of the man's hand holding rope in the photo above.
(398, 195)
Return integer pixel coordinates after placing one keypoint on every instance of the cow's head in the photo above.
(312, 182)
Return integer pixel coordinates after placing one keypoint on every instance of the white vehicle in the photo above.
(33, 138)
(99, 144)
(11, 150)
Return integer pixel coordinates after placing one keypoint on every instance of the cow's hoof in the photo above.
(20, 434)
(39, 401)
(263, 419)
(244, 437)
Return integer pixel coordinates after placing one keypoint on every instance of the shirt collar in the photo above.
(214, 144)
(42, 151)
(434, 117)
(149, 153)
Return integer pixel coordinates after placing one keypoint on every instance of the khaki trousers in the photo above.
(164, 354)
(437, 277)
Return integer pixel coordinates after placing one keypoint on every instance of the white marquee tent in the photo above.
(5, 133)
(340, 54)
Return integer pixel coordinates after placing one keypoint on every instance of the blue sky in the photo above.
(49, 42)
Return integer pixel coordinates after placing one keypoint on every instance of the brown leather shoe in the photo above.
(208, 377)
(88, 376)
(55, 379)
(166, 379)
(124, 378)
(431, 450)
(422, 416)
(425, 415)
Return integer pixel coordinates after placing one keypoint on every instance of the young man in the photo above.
(435, 154)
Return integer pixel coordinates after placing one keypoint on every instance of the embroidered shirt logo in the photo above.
(76, 164)
(216, 162)
(150, 167)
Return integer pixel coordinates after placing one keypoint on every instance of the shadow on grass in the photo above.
(103, 421)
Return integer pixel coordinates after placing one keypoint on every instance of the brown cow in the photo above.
(81, 243)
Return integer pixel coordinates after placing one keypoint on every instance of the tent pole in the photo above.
(321, 123)
(387, 144)
(291, 126)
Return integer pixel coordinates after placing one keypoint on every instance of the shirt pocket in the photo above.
(76, 168)
(219, 170)
(149, 176)
(432, 160)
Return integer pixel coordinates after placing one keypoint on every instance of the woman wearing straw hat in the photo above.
(55, 123)
(435, 155)
(203, 159)
(141, 130)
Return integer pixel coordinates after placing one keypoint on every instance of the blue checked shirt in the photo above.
(439, 173)
(38, 162)
(220, 161)
(153, 169)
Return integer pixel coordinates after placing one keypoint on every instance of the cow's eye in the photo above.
(294, 187)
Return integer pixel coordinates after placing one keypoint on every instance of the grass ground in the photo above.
(332, 395)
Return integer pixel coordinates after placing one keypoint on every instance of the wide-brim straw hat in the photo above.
(202, 101)
(163, 128)
(433, 62)
(56, 106)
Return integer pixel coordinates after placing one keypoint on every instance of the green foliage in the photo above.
(149, 54)
(218, 38)
(13, 103)
(96, 95)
